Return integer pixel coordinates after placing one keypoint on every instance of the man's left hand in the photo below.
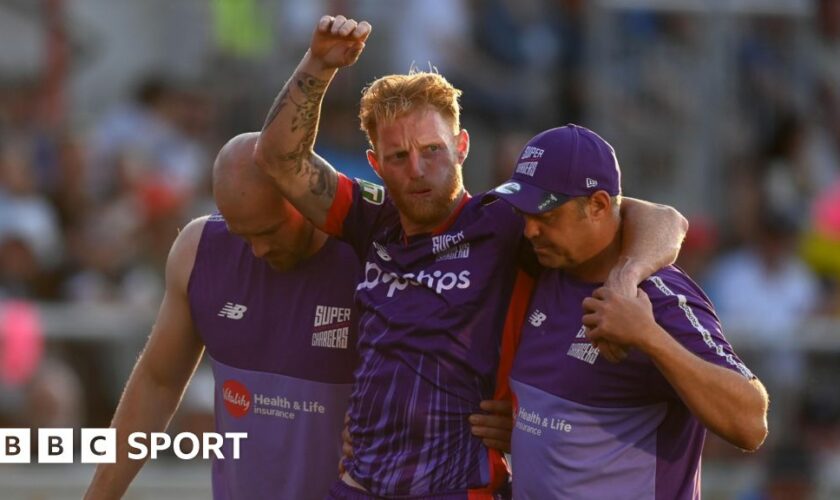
(346, 445)
(613, 317)
(495, 427)
(622, 279)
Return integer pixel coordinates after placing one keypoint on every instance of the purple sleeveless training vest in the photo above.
(283, 349)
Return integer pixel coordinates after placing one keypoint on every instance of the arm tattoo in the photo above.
(312, 89)
(305, 122)
(322, 179)
(279, 103)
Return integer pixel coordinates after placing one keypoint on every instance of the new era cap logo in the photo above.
(232, 311)
(508, 188)
(591, 183)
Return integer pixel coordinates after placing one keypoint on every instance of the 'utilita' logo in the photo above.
(237, 398)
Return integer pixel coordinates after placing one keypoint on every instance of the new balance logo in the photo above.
(232, 311)
(381, 252)
(536, 318)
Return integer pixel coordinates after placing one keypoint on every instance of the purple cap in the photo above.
(559, 164)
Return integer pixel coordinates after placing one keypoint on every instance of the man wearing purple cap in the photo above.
(586, 428)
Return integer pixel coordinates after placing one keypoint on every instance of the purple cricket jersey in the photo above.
(283, 350)
(432, 308)
(588, 428)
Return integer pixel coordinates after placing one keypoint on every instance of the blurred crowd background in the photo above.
(111, 112)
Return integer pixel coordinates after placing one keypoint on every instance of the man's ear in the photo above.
(462, 146)
(374, 162)
(600, 205)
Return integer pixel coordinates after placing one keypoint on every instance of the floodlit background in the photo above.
(111, 112)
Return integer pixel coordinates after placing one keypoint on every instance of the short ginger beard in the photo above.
(435, 209)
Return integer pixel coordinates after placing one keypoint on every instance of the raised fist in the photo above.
(338, 41)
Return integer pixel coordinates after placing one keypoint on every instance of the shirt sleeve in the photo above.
(359, 209)
(683, 310)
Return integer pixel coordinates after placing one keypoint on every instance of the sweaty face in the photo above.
(274, 230)
(420, 164)
(561, 237)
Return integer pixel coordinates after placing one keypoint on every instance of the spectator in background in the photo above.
(763, 290)
(144, 142)
(763, 293)
(786, 179)
(24, 208)
(30, 240)
(783, 177)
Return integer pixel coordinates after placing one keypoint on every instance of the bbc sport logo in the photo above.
(55, 445)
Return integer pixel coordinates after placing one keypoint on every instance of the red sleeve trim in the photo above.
(334, 225)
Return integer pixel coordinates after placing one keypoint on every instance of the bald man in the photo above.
(269, 297)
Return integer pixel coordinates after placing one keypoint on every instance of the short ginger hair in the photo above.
(393, 96)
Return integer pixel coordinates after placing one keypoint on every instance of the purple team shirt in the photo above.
(282, 348)
(432, 308)
(588, 428)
